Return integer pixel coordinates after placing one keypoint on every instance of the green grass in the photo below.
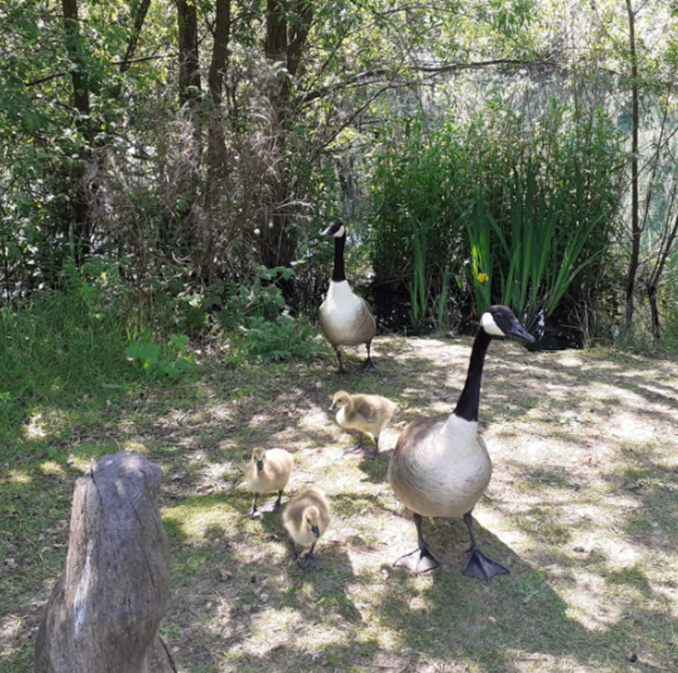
(581, 509)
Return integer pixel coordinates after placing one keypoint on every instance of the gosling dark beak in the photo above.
(260, 465)
(315, 530)
(333, 407)
(517, 330)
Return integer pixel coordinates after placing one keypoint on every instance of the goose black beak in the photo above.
(327, 232)
(315, 530)
(517, 330)
(260, 465)
(333, 407)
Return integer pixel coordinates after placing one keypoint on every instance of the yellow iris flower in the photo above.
(483, 277)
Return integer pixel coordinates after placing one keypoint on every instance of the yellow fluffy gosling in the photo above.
(268, 471)
(306, 518)
(364, 413)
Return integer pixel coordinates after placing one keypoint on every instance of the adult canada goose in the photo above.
(306, 519)
(441, 467)
(364, 413)
(268, 471)
(345, 318)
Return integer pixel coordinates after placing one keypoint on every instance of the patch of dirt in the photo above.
(581, 509)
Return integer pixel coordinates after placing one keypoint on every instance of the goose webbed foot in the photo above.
(478, 564)
(418, 561)
(341, 371)
(482, 567)
(368, 367)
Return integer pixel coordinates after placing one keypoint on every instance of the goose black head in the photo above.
(337, 229)
(501, 321)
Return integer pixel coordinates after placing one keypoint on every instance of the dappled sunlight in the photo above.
(135, 447)
(81, 463)
(590, 603)
(11, 628)
(36, 428)
(194, 519)
(581, 509)
(18, 477)
(52, 468)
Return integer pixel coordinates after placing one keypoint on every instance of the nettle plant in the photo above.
(259, 323)
(170, 362)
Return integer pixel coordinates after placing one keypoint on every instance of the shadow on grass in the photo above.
(312, 620)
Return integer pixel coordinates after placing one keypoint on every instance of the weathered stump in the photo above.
(104, 612)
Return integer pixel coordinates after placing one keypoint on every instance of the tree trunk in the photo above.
(216, 146)
(666, 248)
(189, 59)
(287, 28)
(105, 610)
(80, 233)
(636, 229)
(185, 240)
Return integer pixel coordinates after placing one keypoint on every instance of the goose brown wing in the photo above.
(366, 320)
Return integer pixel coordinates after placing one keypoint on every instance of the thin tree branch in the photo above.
(63, 73)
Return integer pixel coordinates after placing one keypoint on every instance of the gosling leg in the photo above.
(307, 561)
(276, 505)
(293, 550)
(420, 560)
(359, 445)
(253, 510)
(478, 564)
(375, 453)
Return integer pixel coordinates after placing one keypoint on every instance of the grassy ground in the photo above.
(583, 509)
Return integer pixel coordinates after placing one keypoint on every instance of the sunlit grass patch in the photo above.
(53, 468)
(570, 510)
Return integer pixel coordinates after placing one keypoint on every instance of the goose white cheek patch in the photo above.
(491, 327)
(340, 232)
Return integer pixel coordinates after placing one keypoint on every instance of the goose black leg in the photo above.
(478, 564)
(420, 560)
(253, 510)
(341, 369)
(277, 504)
(368, 365)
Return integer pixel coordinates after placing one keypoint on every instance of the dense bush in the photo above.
(517, 211)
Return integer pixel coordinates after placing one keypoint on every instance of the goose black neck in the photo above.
(469, 401)
(339, 274)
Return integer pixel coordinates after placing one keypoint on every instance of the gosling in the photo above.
(364, 413)
(306, 519)
(268, 471)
